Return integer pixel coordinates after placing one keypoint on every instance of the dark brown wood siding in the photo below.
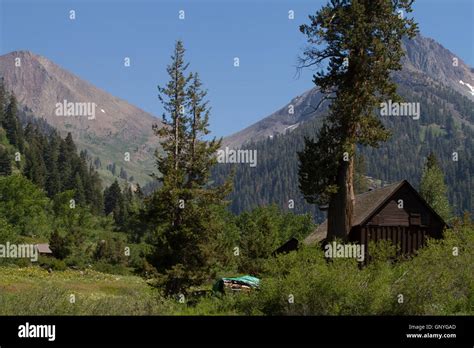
(413, 213)
(407, 238)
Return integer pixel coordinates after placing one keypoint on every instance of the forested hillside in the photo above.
(50, 194)
(30, 147)
(445, 127)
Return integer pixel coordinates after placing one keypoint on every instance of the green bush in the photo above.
(49, 262)
(265, 229)
(434, 282)
(111, 250)
(24, 206)
(7, 232)
(77, 261)
(440, 280)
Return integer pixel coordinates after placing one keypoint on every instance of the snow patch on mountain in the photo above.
(293, 126)
(468, 86)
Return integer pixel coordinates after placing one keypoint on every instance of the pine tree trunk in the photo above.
(341, 207)
(176, 141)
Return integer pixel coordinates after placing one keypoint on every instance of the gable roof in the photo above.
(43, 248)
(366, 204)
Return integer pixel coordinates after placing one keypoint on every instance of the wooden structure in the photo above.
(395, 212)
(43, 249)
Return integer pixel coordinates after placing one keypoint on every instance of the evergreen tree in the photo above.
(79, 195)
(60, 246)
(450, 126)
(93, 191)
(433, 188)
(200, 153)
(112, 198)
(183, 221)
(360, 40)
(35, 168)
(64, 166)
(69, 143)
(123, 210)
(51, 154)
(11, 124)
(50, 162)
(275, 179)
(97, 163)
(5, 162)
(139, 193)
(123, 174)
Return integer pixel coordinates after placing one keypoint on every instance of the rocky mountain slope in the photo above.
(116, 127)
(425, 60)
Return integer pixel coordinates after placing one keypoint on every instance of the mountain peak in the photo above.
(116, 127)
(425, 60)
(429, 57)
(24, 56)
(21, 53)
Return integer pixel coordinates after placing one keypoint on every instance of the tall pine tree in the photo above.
(181, 209)
(358, 42)
(51, 154)
(112, 198)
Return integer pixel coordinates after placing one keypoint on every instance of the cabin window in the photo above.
(415, 219)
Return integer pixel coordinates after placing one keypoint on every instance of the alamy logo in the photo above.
(37, 331)
(14, 251)
(400, 109)
(67, 109)
(237, 156)
(336, 250)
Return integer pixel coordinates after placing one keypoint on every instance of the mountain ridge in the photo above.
(118, 127)
(419, 58)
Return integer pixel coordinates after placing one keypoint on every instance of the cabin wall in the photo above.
(413, 213)
(407, 227)
(407, 238)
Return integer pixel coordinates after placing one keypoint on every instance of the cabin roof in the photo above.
(366, 204)
(43, 248)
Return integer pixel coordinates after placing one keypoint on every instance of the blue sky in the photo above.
(94, 45)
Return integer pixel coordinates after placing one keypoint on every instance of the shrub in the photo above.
(24, 206)
(53, 263)
(111, 250)
(265, 229)
(7, 232)
(434, 282)
(60, 246)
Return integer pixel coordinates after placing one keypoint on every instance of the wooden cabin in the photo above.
(395, 212)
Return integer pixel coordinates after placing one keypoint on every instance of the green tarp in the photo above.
(245, 280)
